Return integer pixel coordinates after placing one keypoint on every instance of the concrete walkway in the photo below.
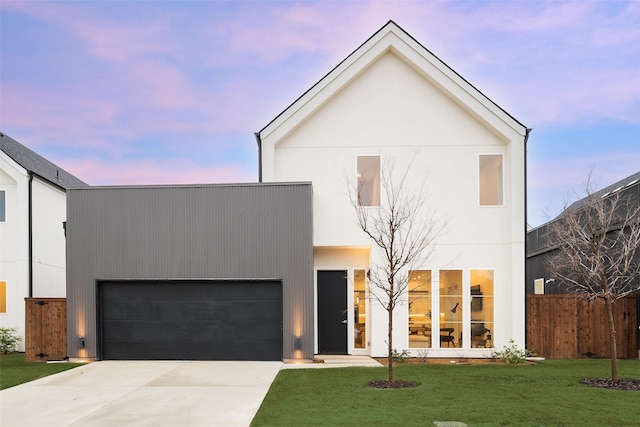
(142, 393)
(333, 361)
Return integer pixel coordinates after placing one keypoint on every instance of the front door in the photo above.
(332, 312)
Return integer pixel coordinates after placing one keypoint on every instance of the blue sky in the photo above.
(146, 92)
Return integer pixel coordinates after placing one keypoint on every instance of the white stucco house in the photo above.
(392, 100)
(32, 238)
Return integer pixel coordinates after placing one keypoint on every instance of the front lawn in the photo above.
(16, 369)
(546, 394)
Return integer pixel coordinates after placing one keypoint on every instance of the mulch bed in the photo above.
(392, 384)
(621, 384)
(443, 360)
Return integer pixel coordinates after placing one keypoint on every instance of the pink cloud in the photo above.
(556, 183)
(546, 63)
(109, 39)
(96, 171)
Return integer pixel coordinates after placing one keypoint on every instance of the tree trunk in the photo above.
(390, 346)
(612, 339)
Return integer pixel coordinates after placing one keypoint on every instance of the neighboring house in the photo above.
(392, 100)
(32, 241)
(540, 282)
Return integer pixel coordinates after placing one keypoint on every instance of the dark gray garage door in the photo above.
(189, 320)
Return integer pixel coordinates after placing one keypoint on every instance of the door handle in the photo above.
(344, 321)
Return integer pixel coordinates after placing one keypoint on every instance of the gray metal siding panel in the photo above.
(214, 232)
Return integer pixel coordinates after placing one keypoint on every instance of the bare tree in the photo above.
(595, 256)
(403, 228)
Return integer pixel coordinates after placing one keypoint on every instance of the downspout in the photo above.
(30, 226)
(259, 141)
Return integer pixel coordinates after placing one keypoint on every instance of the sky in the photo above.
(172, 92)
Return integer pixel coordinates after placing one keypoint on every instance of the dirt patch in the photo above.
(621, 384)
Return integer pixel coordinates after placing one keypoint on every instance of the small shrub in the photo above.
(9, 339)
(423, 355)
(400, 356)
(512, 354)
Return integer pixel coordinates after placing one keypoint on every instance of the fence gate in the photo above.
(563, 326)
(46, 328)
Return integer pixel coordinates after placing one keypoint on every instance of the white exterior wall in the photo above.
(392, 109)
(49, 259)
(49, 211)
(14, 244)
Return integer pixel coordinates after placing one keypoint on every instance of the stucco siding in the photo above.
(14, 245)
(49, 212)
(392, 98)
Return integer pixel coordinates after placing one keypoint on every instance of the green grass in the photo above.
(16, 369)
(547, 394)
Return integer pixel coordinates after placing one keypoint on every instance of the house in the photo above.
(539, 280)
(32, 241)
(584, 331)
(278, 269)
(393, 101)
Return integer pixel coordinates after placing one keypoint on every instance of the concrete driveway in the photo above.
(142, 393)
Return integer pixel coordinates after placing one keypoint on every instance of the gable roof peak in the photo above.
(408, 49)
(35, 163)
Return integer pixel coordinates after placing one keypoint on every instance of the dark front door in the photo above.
(332, 312)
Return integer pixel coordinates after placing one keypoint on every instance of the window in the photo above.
(368, 180)
(359, 309)
(450, 308)
(420, 309)
(3, 297)
(491, 179)
(481, 308)
(3, 206)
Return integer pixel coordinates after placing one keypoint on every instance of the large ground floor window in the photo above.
(463, 307)
(420, 309)
(359, 309)
(450, 308)
(481, 289)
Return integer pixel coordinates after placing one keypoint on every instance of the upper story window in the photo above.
(368, 180)
(491, 179)
(3, 206)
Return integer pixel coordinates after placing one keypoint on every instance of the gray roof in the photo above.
(623, 184)
(37, 164)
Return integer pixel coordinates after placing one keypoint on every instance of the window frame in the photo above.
(490, 298)
(500, 188)
(357, 186)
(420, 329)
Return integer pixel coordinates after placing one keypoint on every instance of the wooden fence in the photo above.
(46, 328)
(567, 327)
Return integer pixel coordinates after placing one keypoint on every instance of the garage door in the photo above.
(188, 320)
